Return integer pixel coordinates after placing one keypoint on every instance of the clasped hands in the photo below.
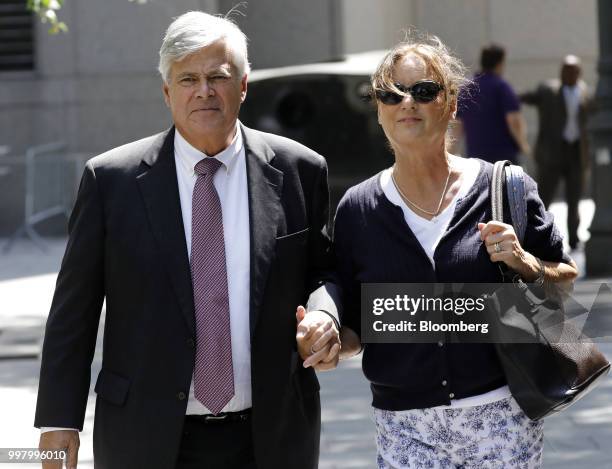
(318, 339)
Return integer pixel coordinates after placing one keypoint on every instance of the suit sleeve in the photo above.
(72, 325)
(533, 97)
(324, 294)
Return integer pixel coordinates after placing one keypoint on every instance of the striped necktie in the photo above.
(214, 373)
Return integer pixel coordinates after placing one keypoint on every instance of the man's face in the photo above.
(570, 74)
(204, 94)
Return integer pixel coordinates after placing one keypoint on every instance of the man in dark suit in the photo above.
(561, 151)
(202, 240)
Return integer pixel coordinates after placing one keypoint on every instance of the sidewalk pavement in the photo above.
(580, 437)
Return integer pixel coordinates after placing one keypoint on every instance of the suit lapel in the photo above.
(159, 189)
(265, 185)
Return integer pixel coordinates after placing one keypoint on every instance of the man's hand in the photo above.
(318, 339)
(60, 439)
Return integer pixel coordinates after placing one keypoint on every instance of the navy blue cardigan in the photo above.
(373, 244)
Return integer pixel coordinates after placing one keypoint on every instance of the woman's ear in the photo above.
(453, 109)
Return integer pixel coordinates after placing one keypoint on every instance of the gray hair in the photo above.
(195, 30)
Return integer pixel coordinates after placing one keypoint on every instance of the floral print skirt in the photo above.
(490, 436)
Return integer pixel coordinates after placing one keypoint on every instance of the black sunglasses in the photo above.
(422, 92)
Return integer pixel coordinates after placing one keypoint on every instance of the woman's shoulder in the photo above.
(363, 193)
(487, 169)
(486, 166)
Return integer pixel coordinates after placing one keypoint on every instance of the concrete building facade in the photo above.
(97, 87)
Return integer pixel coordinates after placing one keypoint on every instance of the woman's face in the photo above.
(410, 122)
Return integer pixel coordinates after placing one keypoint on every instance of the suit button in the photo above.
(181, 396)
(190, 342)
(440, 344)
(444, 383)
(452, 395)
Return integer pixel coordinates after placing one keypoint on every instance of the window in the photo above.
(16, 36)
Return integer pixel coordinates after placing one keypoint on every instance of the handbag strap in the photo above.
(515, 186)
(515, 191)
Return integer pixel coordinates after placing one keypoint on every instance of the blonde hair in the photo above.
(447, 69)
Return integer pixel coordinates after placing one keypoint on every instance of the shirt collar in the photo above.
(189, 156)
(571, 89)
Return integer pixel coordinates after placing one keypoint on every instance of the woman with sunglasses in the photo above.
(427, 219)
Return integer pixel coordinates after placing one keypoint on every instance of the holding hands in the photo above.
(318, 339)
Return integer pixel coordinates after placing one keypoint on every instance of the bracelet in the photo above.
(539, 281)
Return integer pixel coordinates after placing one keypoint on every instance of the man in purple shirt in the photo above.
(489, 112)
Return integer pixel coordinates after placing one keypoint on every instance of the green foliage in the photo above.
(46, 11)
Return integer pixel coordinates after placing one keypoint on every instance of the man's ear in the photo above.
(166, 91)
(243, 87)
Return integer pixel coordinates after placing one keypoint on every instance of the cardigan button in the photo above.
(440, 344)
(452, 395)
(444, 383)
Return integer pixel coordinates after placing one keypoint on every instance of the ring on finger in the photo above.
(497, 248)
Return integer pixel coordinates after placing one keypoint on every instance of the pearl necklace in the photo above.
(433, 214)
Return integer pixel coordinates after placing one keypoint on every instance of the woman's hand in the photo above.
(503, 245)
(318, 339)
(510, 252)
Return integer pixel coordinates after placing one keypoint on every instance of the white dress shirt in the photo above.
(571, 94)
(231, 183)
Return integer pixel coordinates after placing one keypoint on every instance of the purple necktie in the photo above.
(214, 372)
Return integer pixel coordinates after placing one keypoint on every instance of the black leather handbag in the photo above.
(549, 364)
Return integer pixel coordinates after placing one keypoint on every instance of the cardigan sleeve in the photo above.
(542, 237)
(344, 262)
